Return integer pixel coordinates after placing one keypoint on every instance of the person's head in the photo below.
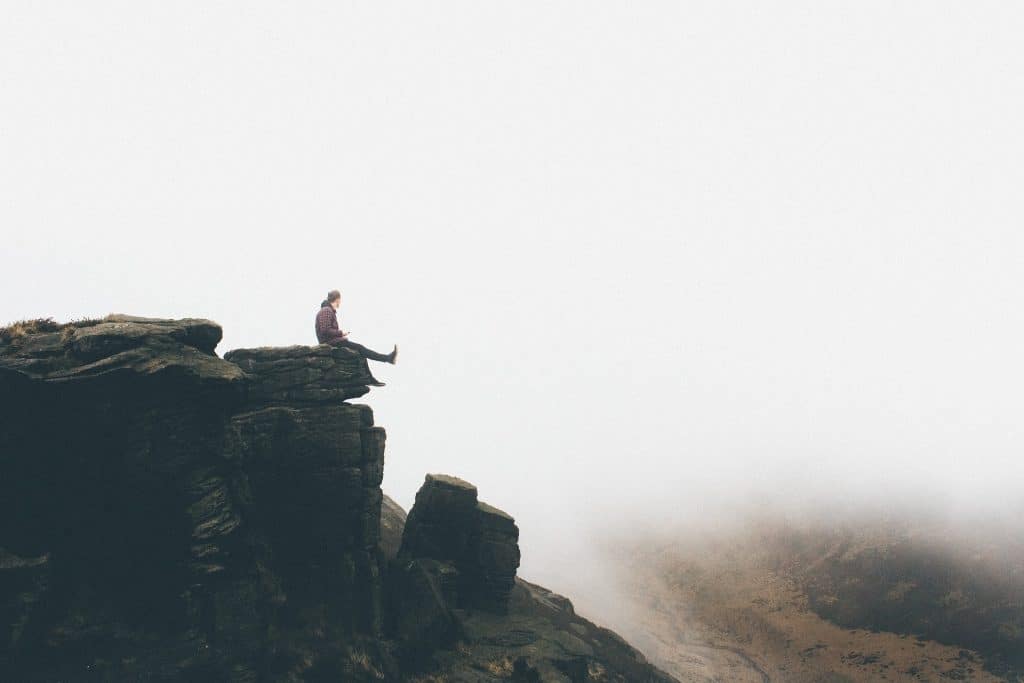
(334, 299)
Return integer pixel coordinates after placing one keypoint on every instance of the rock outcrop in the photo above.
(166, 515)
(170, 515)
(535, 636)
(455, 553)
(302, 374)
(479, 542)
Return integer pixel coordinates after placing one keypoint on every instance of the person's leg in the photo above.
(365, 352)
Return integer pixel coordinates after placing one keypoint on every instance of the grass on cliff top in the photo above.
(21, 328)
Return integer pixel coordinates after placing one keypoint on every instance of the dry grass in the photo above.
(24, 327)
(500, 667)
(21, 328)
(362, 661)
(597, 672)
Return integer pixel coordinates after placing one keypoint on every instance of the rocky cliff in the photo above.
(166, 514)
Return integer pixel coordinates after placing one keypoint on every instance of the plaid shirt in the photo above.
(327, 325)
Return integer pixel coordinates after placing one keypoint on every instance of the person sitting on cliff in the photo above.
(327, 331)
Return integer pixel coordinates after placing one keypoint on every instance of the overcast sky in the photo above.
(635, 255)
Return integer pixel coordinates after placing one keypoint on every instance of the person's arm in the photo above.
(335, 330)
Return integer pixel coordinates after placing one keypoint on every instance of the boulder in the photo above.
(442, 521)
(447, 523)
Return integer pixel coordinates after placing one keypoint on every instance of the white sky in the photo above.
(634, 254)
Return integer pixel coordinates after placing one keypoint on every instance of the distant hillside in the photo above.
(865, 602)
(914, 580)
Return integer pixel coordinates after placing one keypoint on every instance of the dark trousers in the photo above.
(362, 350)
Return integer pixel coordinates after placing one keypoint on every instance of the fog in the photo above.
(644, 262)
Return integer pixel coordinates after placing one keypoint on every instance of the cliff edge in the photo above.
(166, 514)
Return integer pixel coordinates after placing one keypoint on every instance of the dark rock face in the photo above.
(313, 488)
(171, 515)
(168, 515)
(421, 595)
(480, 542)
